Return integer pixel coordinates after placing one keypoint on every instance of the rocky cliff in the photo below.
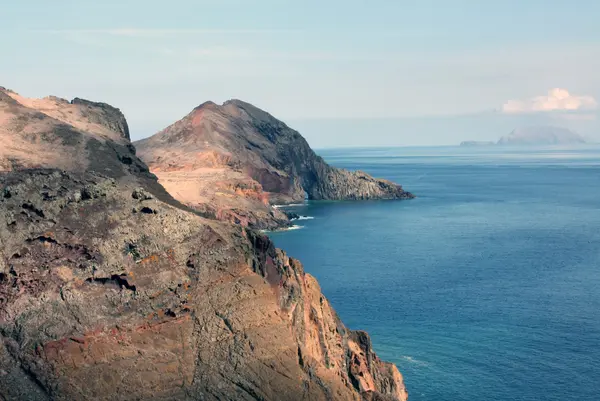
(112, 290)
(241, 159)
(76, 136)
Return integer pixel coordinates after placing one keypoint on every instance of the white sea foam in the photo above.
(303, 218)
(413, 360)
(289, 205)
(294, 227)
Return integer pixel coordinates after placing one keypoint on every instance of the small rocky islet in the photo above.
(534, 136)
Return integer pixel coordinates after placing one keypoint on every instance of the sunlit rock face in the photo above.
(236, 160)
(110, 289)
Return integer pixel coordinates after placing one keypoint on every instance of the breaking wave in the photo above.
(303, 218)
(289, 205)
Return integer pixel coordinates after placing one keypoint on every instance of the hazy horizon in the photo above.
(342, 73)
(432, 131)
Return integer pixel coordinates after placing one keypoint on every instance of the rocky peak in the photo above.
(104, 114)
(111, 290)
(251, 113)
(238, 103)
(5, 90)
(243, 139)
(99, 119)
(206, 105)
(5, 97)
(57, 99)
(78, 136)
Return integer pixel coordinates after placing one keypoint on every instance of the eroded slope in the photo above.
(111, 290)
(238, 160)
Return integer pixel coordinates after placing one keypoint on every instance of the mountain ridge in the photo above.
(245, 152)
(110, 289)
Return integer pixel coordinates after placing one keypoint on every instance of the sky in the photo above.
(346, 73)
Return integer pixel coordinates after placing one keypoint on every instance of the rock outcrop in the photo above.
(241, 159)
(105, 115)
(112, 290)
(74, 136)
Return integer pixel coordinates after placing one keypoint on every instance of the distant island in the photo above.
(541, 136)
(477, 143)
(531, 136)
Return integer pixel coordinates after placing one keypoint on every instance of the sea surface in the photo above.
(486, 287)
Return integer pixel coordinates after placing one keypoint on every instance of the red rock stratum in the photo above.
(112, 290)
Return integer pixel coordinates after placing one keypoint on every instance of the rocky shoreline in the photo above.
(241, 161)
(113, 289)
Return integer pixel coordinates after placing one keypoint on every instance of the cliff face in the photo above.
(73, 136)
(237, 142)
(105, 115)
(111, 290)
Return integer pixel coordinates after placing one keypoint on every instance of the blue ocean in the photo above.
(486, 286)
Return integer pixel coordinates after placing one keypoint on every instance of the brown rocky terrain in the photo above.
(112, 290)
(74, 136)
(235, 161)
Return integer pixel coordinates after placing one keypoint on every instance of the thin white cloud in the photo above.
(557, 99)
(219, 52)
(161, 33)
(173, 40)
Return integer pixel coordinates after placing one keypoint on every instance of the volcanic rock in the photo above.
(239, 160)
(112, 290)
